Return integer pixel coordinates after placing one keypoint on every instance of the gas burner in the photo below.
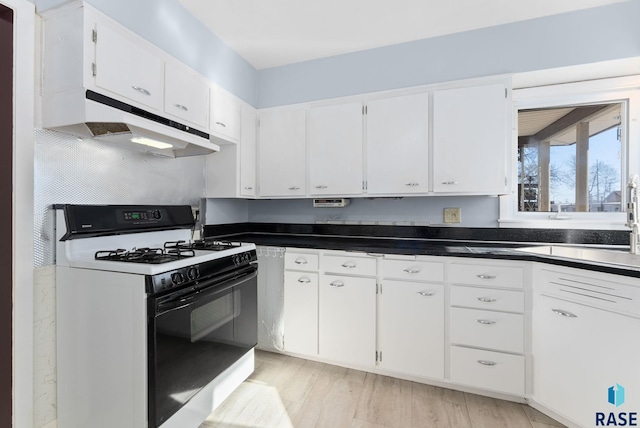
(144, 255)
(202, 244)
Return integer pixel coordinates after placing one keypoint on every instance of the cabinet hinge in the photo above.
(380, 356)
(94, 36)
(364, 185)
(376, 356)
(505, 92)
(93, 69)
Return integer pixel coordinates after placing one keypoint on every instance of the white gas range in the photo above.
(153, 329)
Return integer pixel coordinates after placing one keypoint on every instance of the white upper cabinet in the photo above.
(282, 153)
(398, 145)
(335, 150)
(470, 139)
(248, 152)
(186, 94)
(125, 67)
(225, 120)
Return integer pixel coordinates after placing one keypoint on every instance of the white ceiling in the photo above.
(271, 33)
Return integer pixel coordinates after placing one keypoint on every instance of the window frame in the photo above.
(623, 89)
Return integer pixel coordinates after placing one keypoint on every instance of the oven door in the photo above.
(195, 335)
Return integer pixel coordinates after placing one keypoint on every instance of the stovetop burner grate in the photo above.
(145, 255)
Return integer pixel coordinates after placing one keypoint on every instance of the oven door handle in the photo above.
(191, 298)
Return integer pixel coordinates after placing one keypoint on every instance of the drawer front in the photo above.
(412, 270)
(604, 291)
(301, 261)
(488, 370)
(487, 329)
(487, 298)
(489, 275)
(361, 266)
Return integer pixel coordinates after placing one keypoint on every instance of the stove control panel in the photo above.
(146, 215)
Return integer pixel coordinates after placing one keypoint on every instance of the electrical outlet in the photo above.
(452, 215)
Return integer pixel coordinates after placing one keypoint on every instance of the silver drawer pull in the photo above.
(564, 313)
(482, 276)
(321, 187)
(487, 363)
(337, 284)
(412, 184)
(426, 293)
(294, 188)
(300, 261)
(486, 299)
(221, 124)
(248, 188)
(304, 280)
(410, 270)
(486, 322)
(348, 265)
(181, 107)
(141, 90)
(449, 183)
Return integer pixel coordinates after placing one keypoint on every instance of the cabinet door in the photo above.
(281, 153)
(301, 312)
(186, 94)
(335, 150)
(470, 144)
(127, 68)
(397, 145)
(248, 153)
(347, 319)
(580, 352)
(225, 122)
(412, 328)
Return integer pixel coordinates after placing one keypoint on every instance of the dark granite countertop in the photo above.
(476, 243)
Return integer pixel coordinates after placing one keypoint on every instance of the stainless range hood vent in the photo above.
(88, 114)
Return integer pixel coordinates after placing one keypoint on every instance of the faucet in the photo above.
(632, 215)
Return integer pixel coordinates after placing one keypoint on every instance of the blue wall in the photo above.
(582, 37)
(168, 25)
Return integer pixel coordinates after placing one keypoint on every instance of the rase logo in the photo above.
(616, 397)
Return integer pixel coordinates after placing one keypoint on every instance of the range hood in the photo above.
(88, 114)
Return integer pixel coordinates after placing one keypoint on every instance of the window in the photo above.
(574, 146)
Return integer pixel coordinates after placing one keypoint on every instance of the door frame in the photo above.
(24, 30)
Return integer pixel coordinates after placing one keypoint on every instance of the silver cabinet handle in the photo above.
(412, 184)
(321, 187)
(349, 265)
(410, 270)
(486, 299)
(300, 261)
(181, 107)
(141, 90)
(487, 363)
(294, 188)
(486, 322)
(221, 124)
(564, 313)
(337, 284)
(304, 280)
(482, 276)
(426, 293)
(248, 188)
(449, 183)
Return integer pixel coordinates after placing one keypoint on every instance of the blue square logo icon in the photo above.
(616, 395)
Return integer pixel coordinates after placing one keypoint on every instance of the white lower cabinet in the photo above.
(301, 312)
(347, 319)
(412, 328)
(584, 356)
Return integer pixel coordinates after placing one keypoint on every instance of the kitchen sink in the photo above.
(595, 255)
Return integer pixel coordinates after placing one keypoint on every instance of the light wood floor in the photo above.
(292, 392)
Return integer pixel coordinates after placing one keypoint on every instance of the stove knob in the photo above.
(193, 273)
(177, 278)
(156, 214)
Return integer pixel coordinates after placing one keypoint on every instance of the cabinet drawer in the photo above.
(489, 275)
(412, 270)
(487, 329)
(488, 370)
(487, 298)
(362, 266)
(301, 261)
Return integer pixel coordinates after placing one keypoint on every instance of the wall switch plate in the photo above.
(452, 215)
